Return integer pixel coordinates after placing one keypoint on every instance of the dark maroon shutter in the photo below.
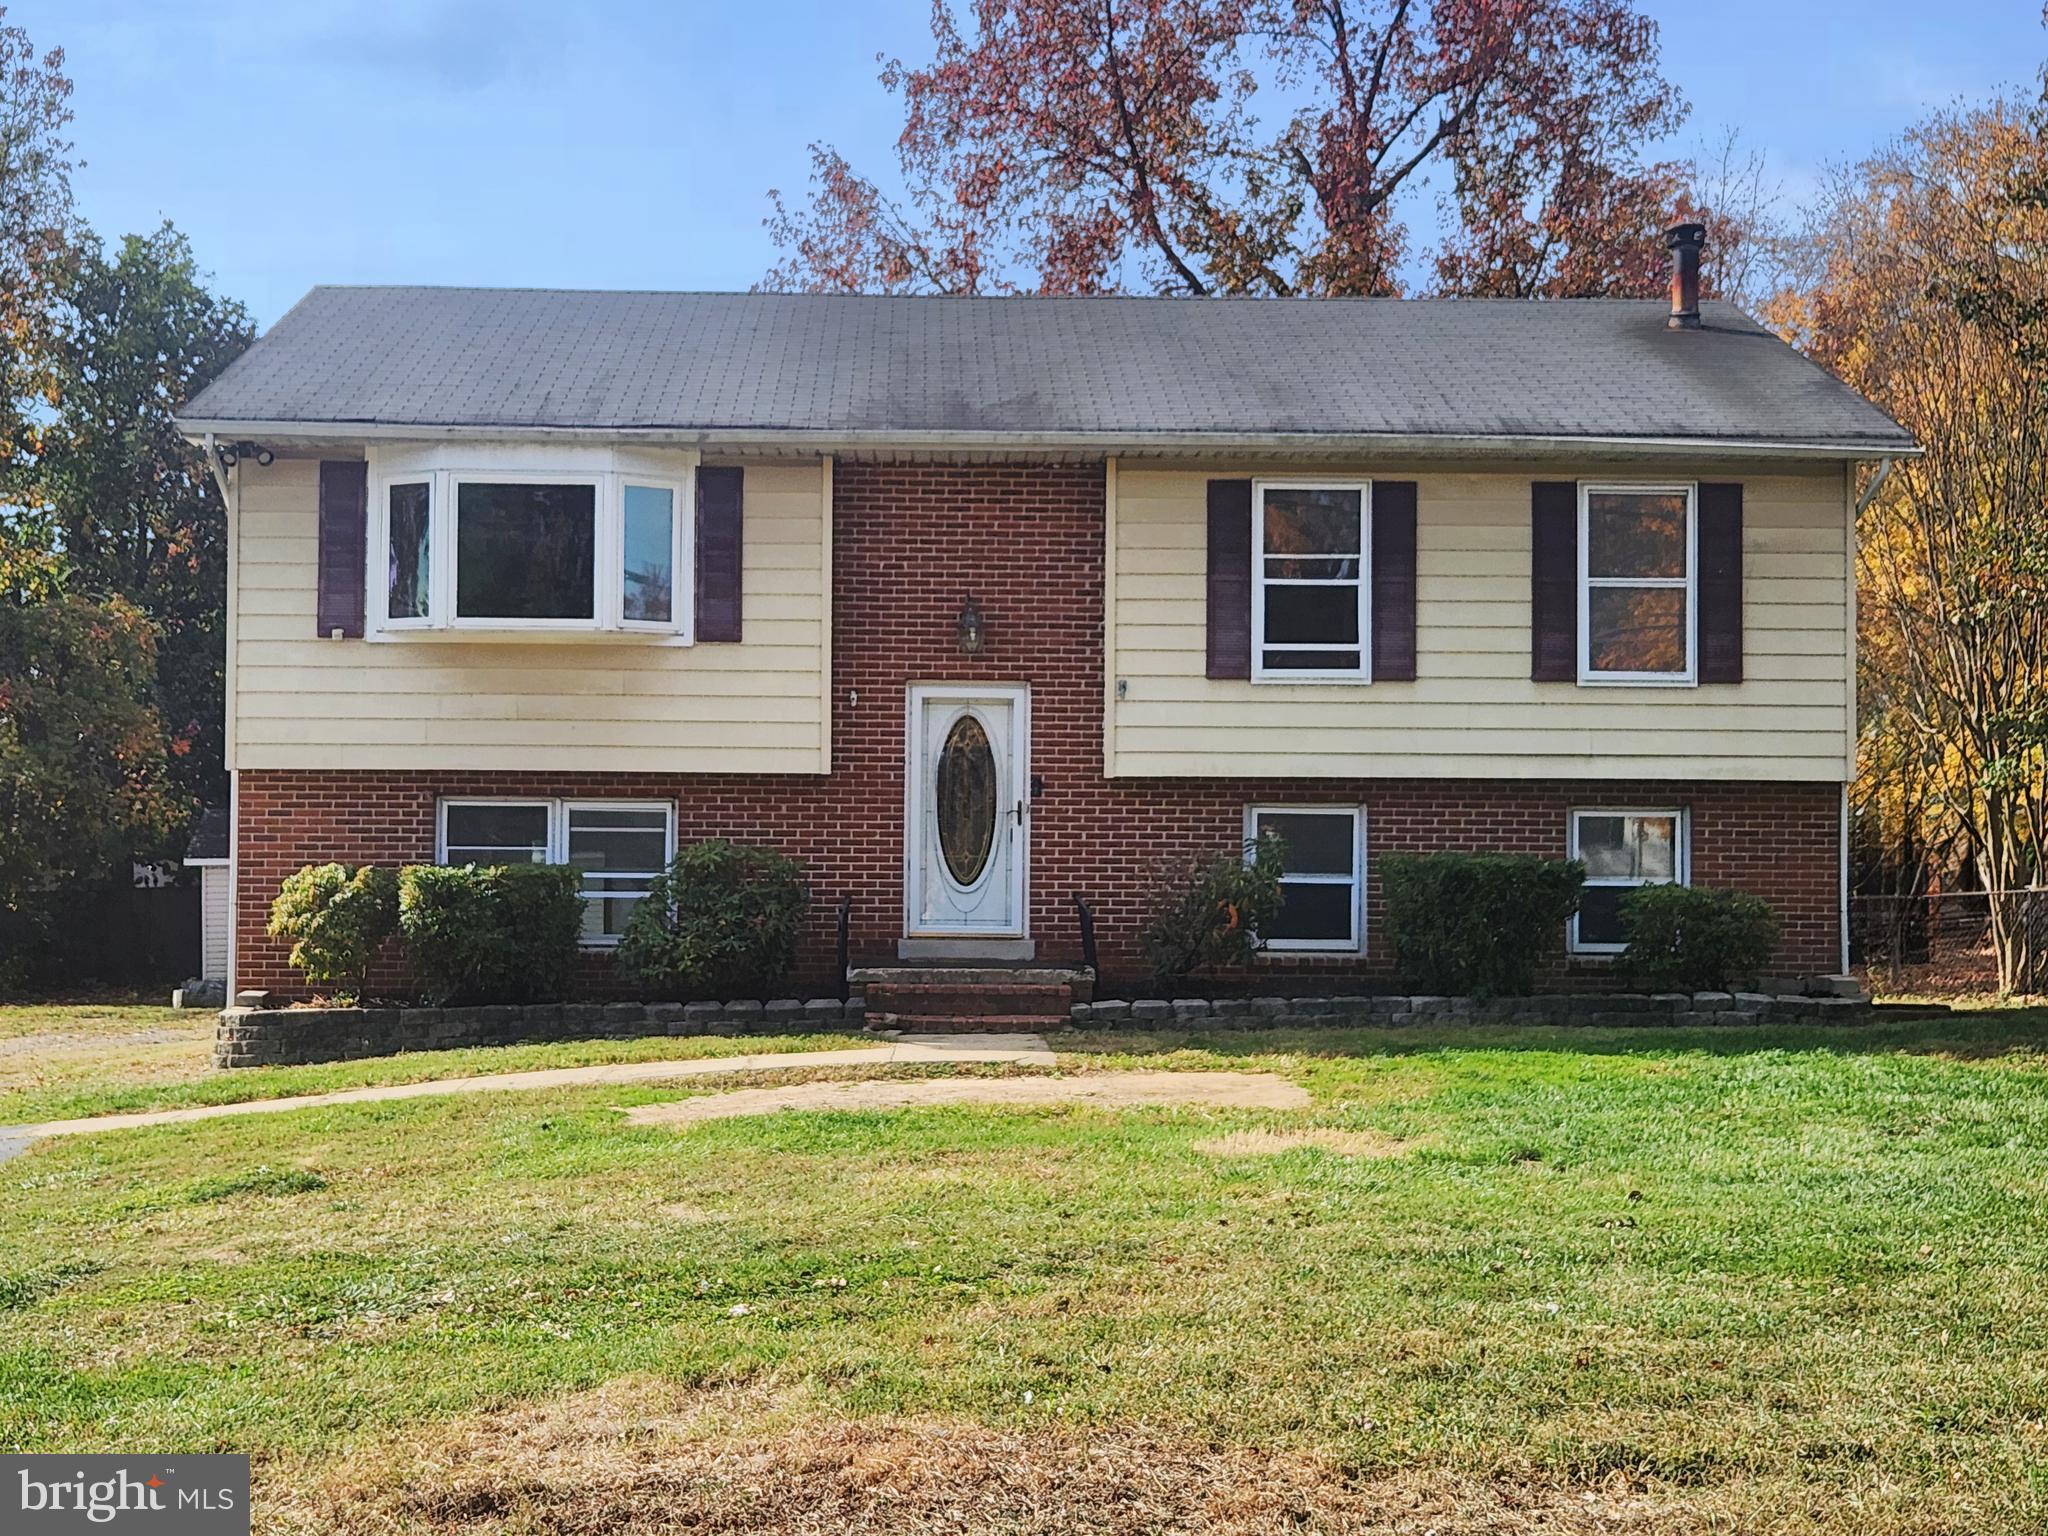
(1554, 581)
(1720, 625)
(1393, 581)
(1230, 578)
(344, 528)
(719, 544)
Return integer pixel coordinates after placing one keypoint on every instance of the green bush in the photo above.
(335, 915)
(1207, 913)
(498, 933)
(1684, 938)
(1476, 924)
(722, 921)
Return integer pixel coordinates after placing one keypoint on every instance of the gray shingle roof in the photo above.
(1092, 370)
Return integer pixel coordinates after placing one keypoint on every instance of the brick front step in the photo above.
(1078, 979)
(974, 997)
(967, 1023)
(1046, 1000)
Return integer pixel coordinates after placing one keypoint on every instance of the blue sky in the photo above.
(495, 142)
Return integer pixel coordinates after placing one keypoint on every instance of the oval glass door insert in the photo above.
(965, 791)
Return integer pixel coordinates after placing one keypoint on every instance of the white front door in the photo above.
(967, 814)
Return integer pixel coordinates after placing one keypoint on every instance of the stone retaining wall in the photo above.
(264, 1037)
(271, 1037)
(1611, 1009)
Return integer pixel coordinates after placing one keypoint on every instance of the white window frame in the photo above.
(1688, 583)
(604, 541)
(1355, 944)
(1681, 861)
(1363, 672)
(559, 812)
(609, 476)
(682, 583)
(379, 606)
(523, 802)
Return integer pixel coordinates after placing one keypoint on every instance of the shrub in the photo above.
(1207, 913)
(335, 915)
(1476, 924)
(499, 933)
(1684, 938)
(722, 921)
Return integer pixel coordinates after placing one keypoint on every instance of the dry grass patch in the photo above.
(1106, 1090)
(693, 1215)
(1271, 1143)
(637, 1456)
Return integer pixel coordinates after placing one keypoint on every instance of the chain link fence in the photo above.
(1946, 941)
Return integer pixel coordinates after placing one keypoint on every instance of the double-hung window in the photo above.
(457, 549)
(1311, 586)
(1622, 850)
(1638, 580)
(1322, 859)
(616, 846)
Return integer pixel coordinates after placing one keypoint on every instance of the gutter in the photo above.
(1420, 445)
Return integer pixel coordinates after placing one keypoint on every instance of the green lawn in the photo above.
(1729, 1280)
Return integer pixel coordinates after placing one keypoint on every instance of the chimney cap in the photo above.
(1685, 234)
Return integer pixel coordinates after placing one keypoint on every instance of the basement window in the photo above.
(1323, 875)
(616, 846)
(1622, 851)
(531, 551)
(1310, 585)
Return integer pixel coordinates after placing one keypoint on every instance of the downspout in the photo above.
(1884, 473)
(230, 502)
(220, 476)
(1844, 876)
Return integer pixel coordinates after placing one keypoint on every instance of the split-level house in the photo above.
(978, 606)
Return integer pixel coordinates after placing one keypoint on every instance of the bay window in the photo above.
(649, 569)
(458, 549)
(525, 550)
(1311, 590)
(409, 569)
(617, 847)
(1638, 564)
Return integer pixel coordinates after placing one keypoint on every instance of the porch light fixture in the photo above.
(969, 630)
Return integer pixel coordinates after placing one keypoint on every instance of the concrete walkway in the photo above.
(1024, 1050)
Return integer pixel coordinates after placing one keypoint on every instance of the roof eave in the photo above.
(1417, 445)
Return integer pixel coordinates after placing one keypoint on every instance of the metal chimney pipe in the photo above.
(1685, 241)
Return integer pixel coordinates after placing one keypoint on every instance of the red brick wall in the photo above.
(911, 543)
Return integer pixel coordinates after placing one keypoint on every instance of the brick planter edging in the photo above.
(1611, 1009)
(275, 1037)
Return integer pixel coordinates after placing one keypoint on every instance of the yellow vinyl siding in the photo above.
(542, 703)
(1473, 710)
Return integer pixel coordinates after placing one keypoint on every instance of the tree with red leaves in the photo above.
(1086, 146)
(37, 227)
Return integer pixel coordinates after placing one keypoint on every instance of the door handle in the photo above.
(1019, 813)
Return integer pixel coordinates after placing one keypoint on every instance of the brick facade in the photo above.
(911, 541)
